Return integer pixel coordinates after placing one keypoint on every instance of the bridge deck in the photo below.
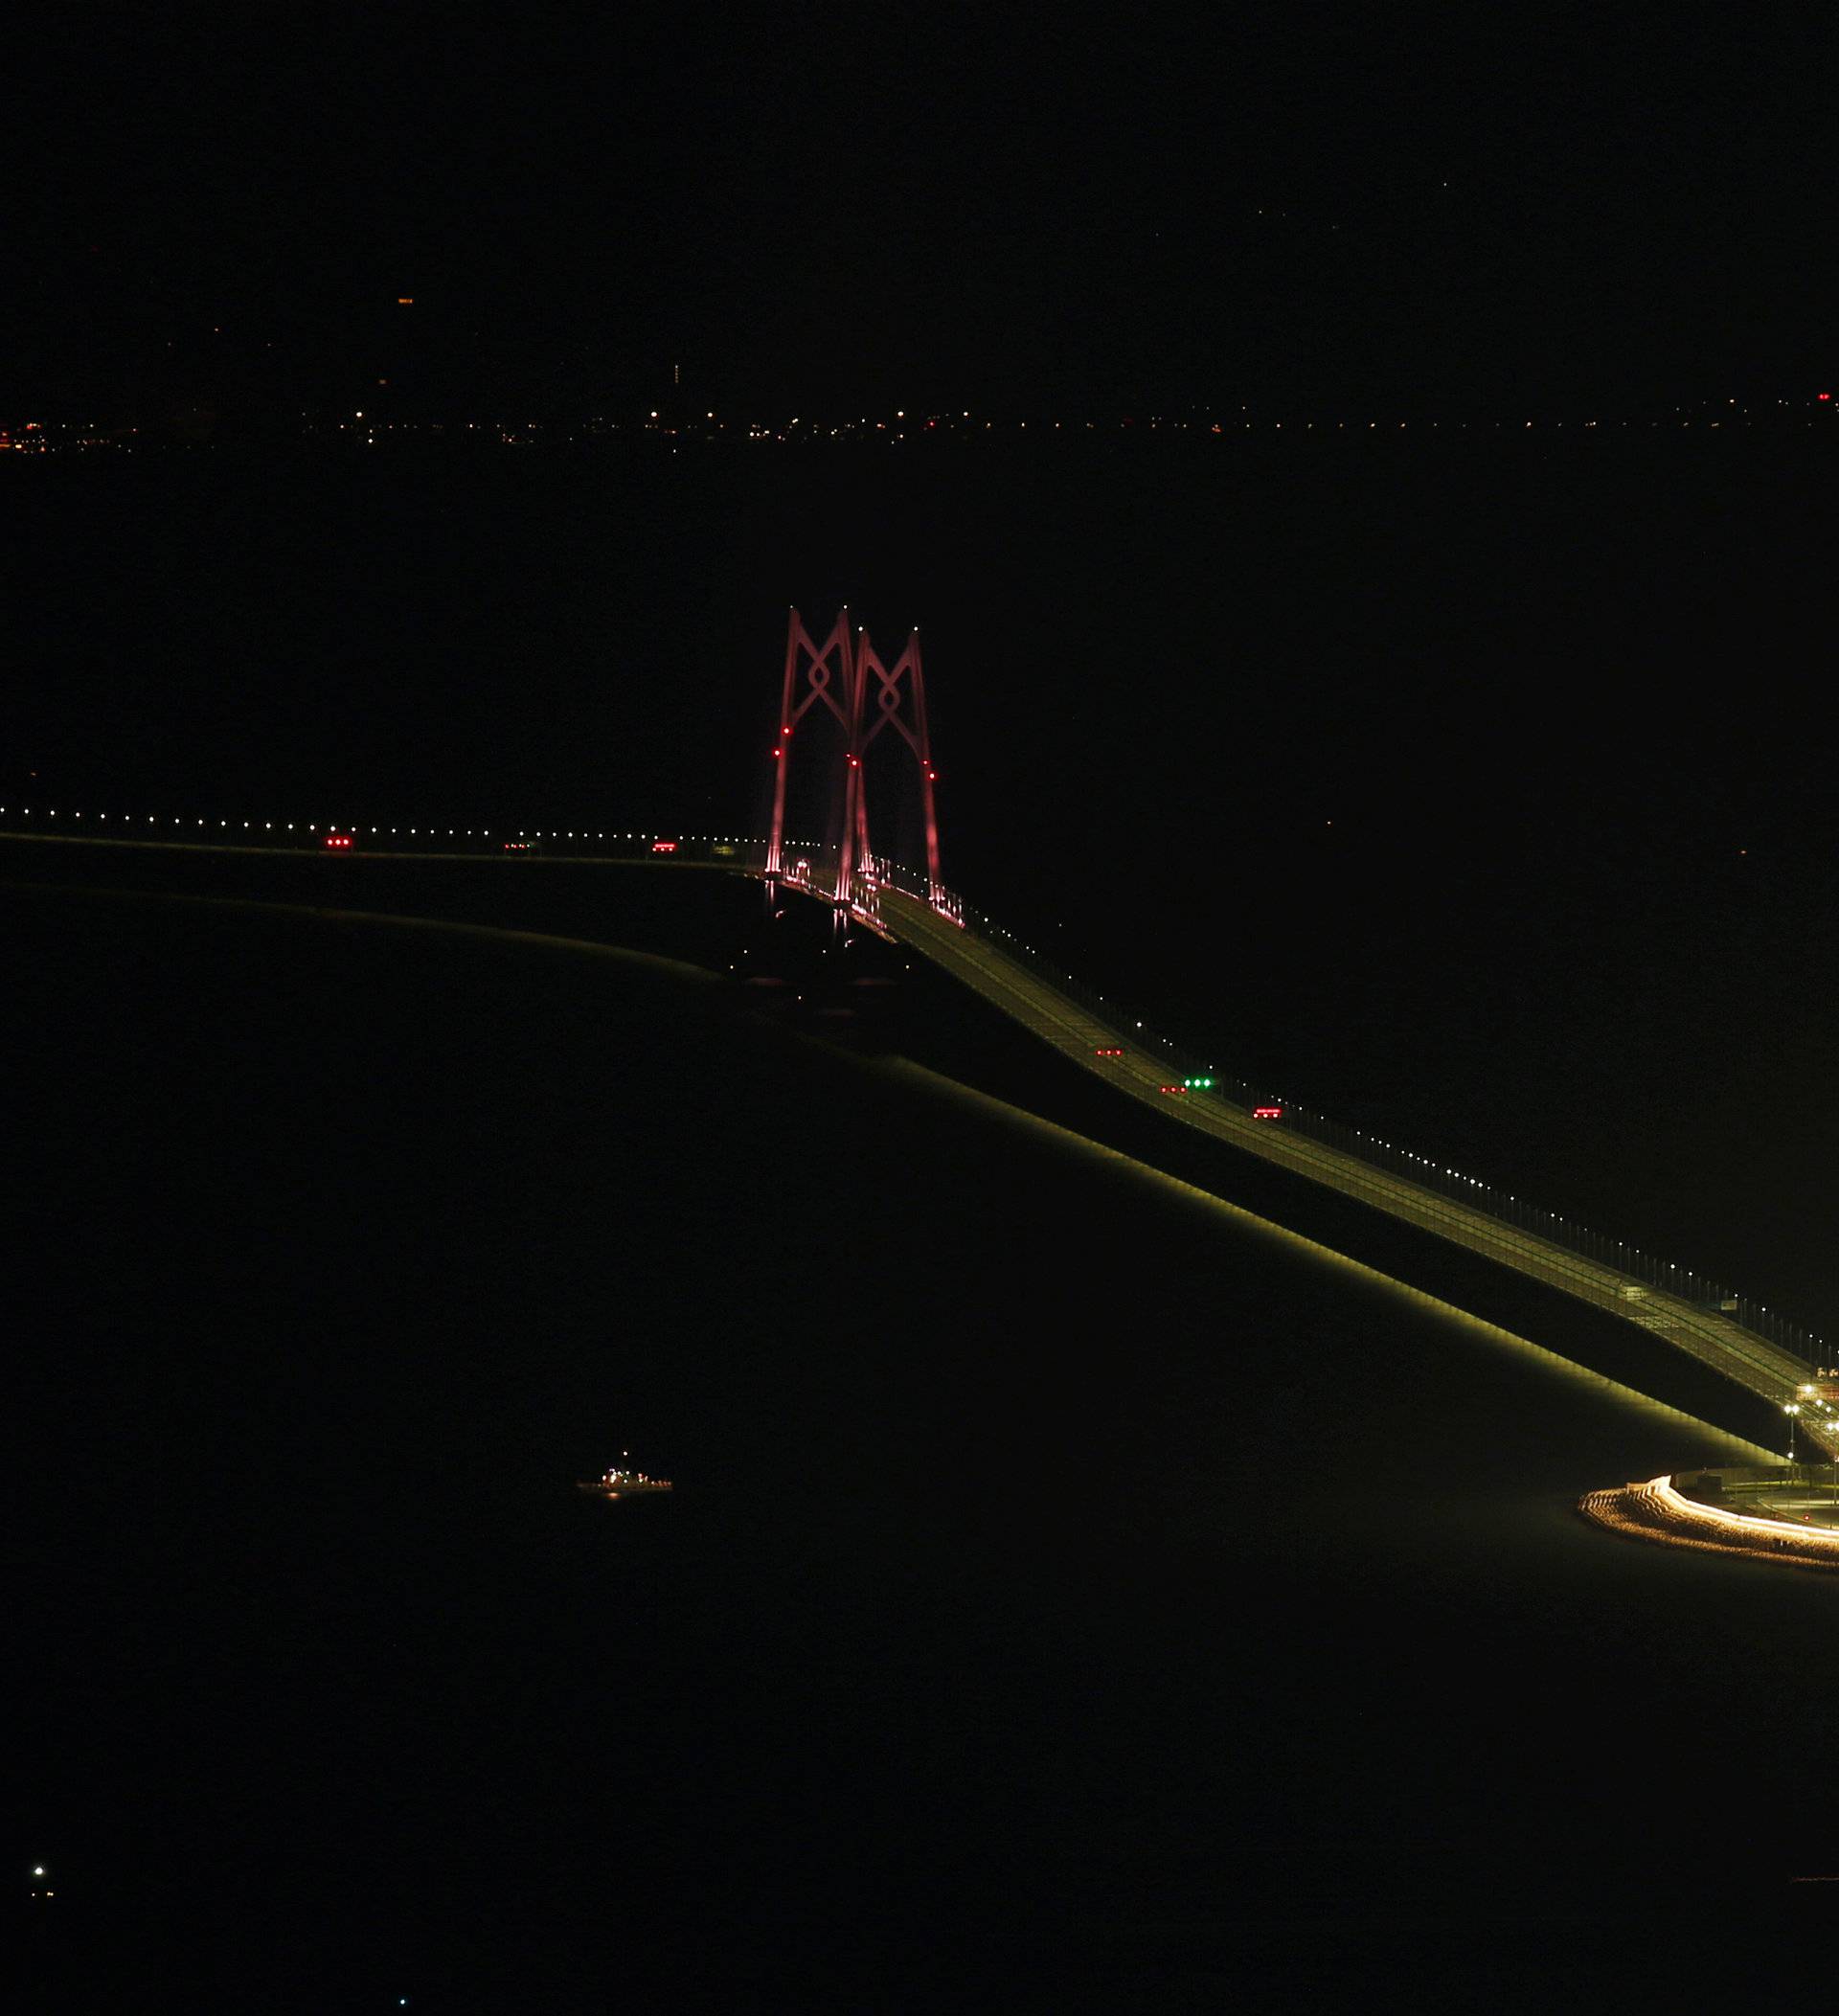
(1742, 1354)
(1024, 995)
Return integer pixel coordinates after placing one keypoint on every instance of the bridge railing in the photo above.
(1637, 1268)
(1640, 1268)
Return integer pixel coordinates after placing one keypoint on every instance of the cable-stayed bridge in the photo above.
(841, 683)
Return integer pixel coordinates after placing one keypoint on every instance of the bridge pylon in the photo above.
(815, 675)
(891, 698)
(845, 675)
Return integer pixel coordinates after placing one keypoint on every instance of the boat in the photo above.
(619, 1481)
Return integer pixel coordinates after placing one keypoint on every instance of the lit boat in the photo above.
(622, 1483)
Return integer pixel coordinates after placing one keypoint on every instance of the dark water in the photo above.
(1068, 1596)
(1478, 797)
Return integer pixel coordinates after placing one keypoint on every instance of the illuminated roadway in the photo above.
(1026, 997)
(1057, 1018)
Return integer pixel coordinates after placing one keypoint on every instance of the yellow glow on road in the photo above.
(1655, 1512)
(1820, 1538)
(1714, 1444)
(1735, 1449)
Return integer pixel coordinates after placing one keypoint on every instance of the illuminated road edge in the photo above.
(1101, 1041)
(1652, 1511)
(1092, 1042)
(1656, 1511)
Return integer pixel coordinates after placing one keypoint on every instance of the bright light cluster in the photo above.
(1657, 1510)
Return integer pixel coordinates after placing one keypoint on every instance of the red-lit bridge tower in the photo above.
(849, 677)
(814, 673)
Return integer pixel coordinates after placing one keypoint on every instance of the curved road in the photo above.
(1752, 1361)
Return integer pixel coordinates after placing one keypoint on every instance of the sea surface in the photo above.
(1068, 1593)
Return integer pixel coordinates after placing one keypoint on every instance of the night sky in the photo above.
(914, 206)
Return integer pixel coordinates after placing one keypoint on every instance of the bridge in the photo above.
(843, 673)
(839, 680)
